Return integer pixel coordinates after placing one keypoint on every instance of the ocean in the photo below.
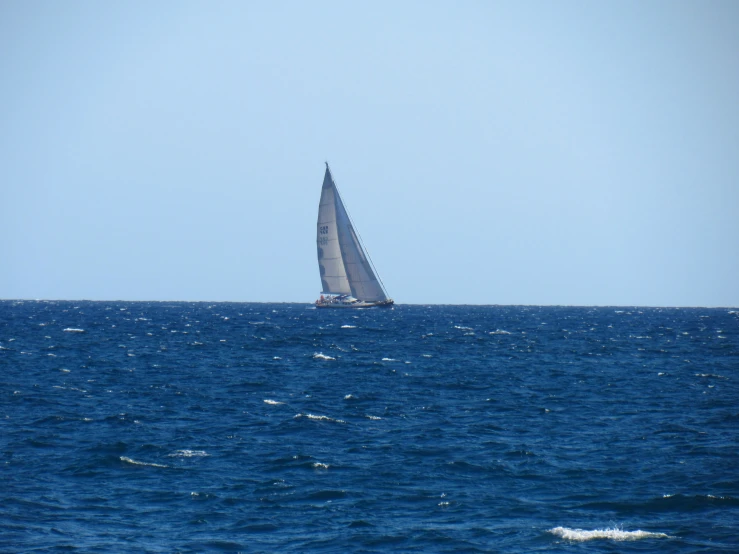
(237, 427)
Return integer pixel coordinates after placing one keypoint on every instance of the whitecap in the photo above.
(463, 328)
(389, 360)
(188, 453)
(134, 462)
(319, 418)
(426, 355)
(72, 330)
(582, 535)
(348, 326)
(322, 356)
(319, 465)
(373, 417)
(499, 332)
(272, 402)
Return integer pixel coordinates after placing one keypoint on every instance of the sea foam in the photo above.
(318, 418)
(187, 454)
(582, 535)
(136, 463)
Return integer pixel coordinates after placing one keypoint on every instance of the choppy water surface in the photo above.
(132, 426)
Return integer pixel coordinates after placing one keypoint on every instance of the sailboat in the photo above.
(348, 277)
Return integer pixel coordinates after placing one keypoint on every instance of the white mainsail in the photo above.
(344, 266)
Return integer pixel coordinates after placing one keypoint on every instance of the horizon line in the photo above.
(396, 304)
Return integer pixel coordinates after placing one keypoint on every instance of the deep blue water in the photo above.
(189, 427)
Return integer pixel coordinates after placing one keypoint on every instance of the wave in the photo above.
(67, 388)
(136, 463)
(187, 454)
(72, 330)
(318, 418)
(667, 503)
(322, 356)
(348, 326)
(581, 535)
(360, 523)
(272, 402)
(328, 494)
(698, 501)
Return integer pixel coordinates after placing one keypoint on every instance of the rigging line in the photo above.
(359, 236)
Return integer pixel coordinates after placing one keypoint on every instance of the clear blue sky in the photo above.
(489, 152)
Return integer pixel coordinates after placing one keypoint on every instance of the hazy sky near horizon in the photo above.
(489, 152)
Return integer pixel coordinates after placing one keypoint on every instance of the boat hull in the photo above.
(355, 305)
